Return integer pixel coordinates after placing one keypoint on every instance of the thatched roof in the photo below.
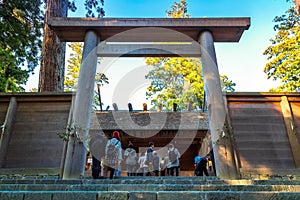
(124, 120)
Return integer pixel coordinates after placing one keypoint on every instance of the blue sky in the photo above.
(242, 62)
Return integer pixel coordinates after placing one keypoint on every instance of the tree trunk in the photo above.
(53, 51)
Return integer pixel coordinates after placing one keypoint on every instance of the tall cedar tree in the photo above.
(53, 53)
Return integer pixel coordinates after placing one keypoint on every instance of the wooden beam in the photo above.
(7, 129)
(222, 29)
(64, 153)
(290, 128)
(191, 49)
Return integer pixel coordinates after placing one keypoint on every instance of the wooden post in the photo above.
(64, 153)
(291, 129)
(76, 152)
(99, 97)
(224, 159)
(7, 127)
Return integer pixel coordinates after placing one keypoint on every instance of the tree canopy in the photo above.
(20, 42)
(283, 54)
(21, 24)
(177, 79)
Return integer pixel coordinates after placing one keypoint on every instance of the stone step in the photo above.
(204, 180)
(147, 187)
(116, 180)
(150, 188)
(164, 195)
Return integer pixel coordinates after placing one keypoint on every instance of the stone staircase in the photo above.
(150, 188)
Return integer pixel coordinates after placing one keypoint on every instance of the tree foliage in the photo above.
(91, 6)
(21, 24)
(227, 84)
(283, 54)
(20, 42)
(178, 10)
(94, 5)
(73, 67)
(176, 79)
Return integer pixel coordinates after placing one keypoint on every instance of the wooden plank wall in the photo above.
(260, 132)
(34, 141)
(257, 122)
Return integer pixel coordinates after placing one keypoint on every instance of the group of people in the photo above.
(151, 164)
(148, 163)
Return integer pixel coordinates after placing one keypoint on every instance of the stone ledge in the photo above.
(33, 172)
(147, 187)
(86, 195)
(267, 174)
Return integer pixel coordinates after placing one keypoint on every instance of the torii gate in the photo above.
(152, 39)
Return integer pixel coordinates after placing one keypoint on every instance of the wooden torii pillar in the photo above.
(223, 151)
(206, 31)
(76, 152)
